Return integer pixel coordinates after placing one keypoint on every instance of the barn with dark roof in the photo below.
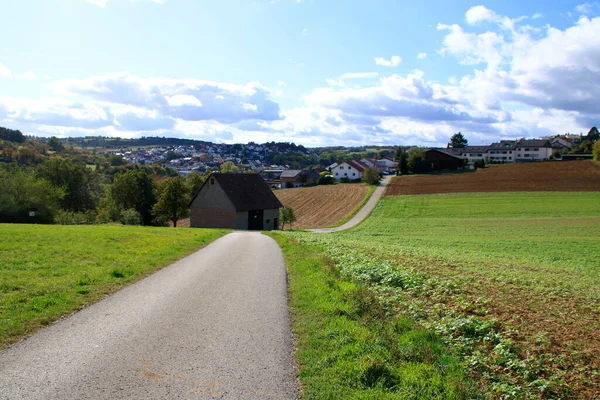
(235, 201)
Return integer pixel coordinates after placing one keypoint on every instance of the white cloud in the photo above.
(422, 56)
(26, 76)
(522, 80)
(479, 14)
(392, 62)
(4, 71)
(183, 100)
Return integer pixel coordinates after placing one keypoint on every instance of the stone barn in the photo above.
(235, 201)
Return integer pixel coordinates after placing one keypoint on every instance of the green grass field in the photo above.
(47, 271)
(510, 282)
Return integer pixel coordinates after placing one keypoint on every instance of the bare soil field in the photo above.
(530, 177)
(322, 206)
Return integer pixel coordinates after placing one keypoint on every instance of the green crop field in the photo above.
(47, 271)
(510, 282)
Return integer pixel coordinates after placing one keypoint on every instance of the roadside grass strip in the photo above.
(48, 271)
(352, 343)
(405, 303)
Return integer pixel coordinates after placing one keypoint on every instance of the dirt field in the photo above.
(322, 206)
(531, 177)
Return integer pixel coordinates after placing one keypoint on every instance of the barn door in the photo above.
(255, 220)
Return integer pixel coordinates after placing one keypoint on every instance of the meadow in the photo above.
(508, 281)
(48, 271)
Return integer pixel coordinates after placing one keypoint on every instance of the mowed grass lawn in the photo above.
(47, 271)
(509, 281)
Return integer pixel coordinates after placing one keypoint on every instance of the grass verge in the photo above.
(48, 271)
(351, 344)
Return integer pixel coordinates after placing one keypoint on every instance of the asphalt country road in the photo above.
(214, 325)
(363, 212)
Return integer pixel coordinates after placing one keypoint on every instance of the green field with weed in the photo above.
(47, 271)
(509, 282)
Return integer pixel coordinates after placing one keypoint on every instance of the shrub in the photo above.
(326, 180)
(345, 180)
(479, 164)
(131, 217)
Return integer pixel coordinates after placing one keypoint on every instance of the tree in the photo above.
(371, 176)
(194, 181)
(458, 140)
(80, 184)
(135, 189)
(22, 193)
(597, 151)
(172, 204)
(416, 163)
(11, 135)
(593, 135)
(286, 215)
(402, 156)
(228, 167)
(55, 144)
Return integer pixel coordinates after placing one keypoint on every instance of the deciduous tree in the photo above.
(286, 215)
(172, 204)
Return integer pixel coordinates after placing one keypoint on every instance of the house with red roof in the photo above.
(352, 170)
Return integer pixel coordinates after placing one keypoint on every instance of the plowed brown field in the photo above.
(531, 177)
(322, 206)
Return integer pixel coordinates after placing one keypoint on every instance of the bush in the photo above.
(345, 180)
(326, 180)
(371, 176)
(597, 150)
(131, 217)
(479, 164)
(75, 218)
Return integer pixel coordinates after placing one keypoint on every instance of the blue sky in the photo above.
(316, 72)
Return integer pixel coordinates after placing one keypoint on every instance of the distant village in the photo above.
(207, 156)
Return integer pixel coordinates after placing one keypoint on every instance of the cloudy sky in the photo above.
(315, 72)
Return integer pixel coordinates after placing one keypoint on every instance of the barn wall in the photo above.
(241, 220)
(269, 218)
(212, 208)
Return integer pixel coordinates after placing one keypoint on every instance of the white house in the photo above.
(533, 149)
(352, 170)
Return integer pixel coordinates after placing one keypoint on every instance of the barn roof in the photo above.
(246, 191)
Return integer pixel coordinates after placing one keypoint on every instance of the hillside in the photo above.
(322, 206)
(563, 176)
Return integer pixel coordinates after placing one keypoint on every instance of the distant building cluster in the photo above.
(508, 151)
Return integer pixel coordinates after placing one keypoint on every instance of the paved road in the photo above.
(214, 325)
(363, 212)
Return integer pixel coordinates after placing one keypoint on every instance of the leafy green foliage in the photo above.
(55, 144)
(50, 271)
(11, 135)
(228, 167)
(416, 162)
(22, 192)
(286, 216)
(80, 184)
(597, 151)
(130, 217)
(371, 176)
(135, 189)
(173, 201)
